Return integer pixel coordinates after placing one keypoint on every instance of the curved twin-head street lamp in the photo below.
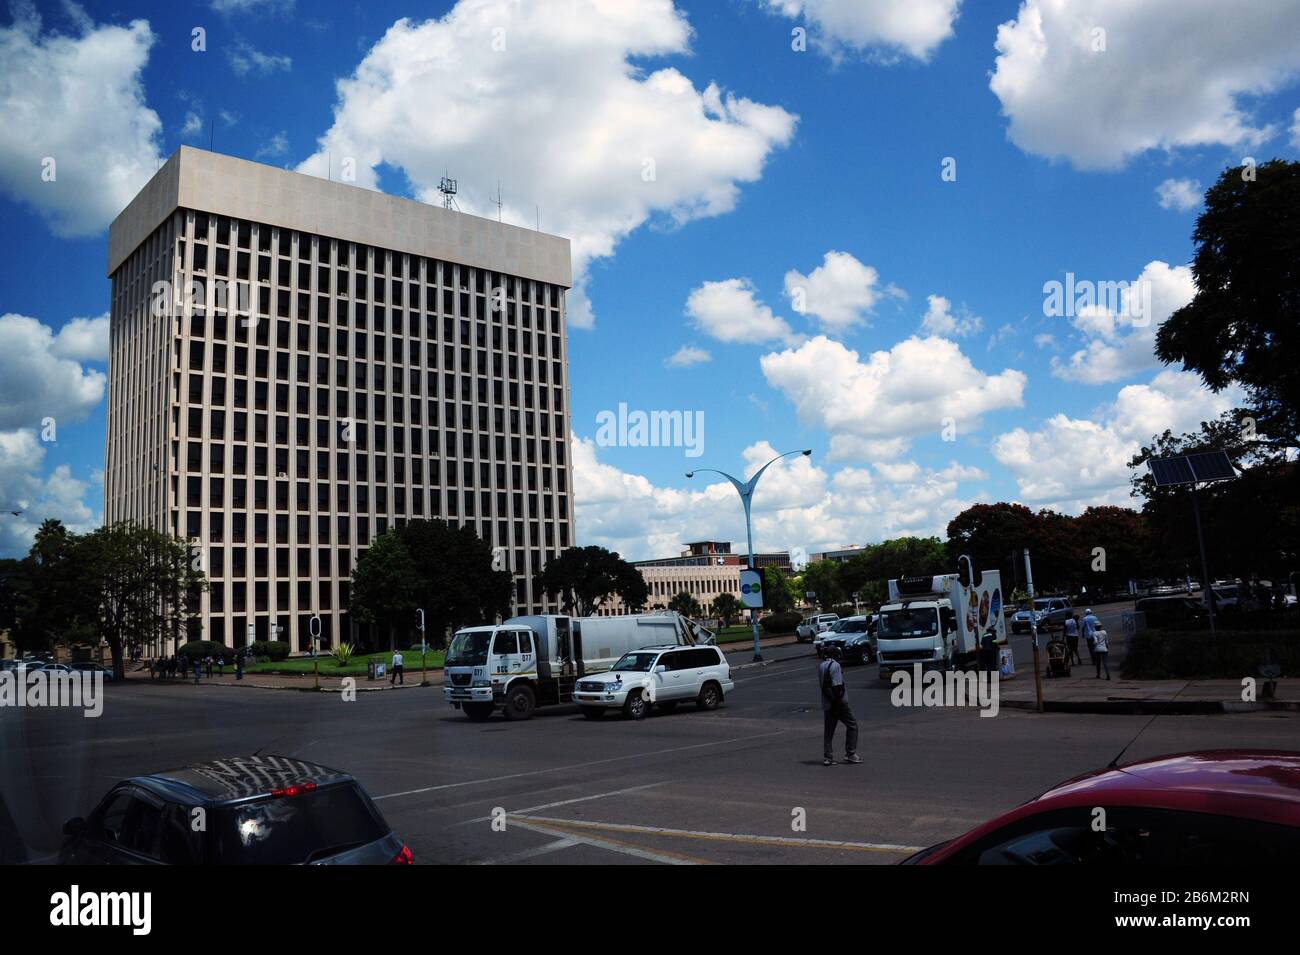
(746, 491)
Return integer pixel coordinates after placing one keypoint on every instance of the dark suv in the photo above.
(246, 810)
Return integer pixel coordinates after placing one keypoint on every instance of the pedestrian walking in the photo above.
(835, 708)
(221, 665)
(152, 668)
(1090, 627)
(198, 669)
(239, 666)
(208, 661)
(1101, 652)
(399, 671)
(1072, 639)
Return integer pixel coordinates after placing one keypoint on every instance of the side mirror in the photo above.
(74, 826)
(661, 669)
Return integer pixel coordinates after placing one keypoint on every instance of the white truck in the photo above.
(939, 621)
(527, 662)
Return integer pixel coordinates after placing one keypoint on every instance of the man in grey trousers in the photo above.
(835, 709)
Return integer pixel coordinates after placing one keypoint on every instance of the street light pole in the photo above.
(746, 491)
(424, 647)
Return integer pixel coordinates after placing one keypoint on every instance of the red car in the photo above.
(1220, 807)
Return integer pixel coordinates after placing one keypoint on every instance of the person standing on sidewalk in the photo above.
(1100, 652)
(835, 709)
(398, 670)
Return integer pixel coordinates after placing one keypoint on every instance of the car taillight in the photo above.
(297, 790)
(403, 858)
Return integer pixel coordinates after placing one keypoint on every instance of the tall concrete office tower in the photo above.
(298, 365)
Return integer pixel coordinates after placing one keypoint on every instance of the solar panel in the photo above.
(1211, 466)
(1169, 471)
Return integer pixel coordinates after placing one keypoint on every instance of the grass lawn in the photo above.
(743, 632)
(357, 666)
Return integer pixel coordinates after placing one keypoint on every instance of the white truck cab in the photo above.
(939, 622)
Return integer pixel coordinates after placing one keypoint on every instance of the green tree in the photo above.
(778, 590)
(459, 581)
(385, 582)
(686, 605)
(1243, 325)
(868, 573)
(822, 577)
(135, 585)
(1251, 525)
(583, 578)
(726, 607)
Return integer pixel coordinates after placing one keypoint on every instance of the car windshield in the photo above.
(468, 649)
(640, 662)
(1041, 604)
(295, 829)
(922, 622)
(852, 626)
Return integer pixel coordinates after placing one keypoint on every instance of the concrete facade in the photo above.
(298, 365)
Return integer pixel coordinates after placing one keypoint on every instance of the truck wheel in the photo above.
(478, 712)
(710, 696)
(520, 703)
(592, 712)
(635, 707)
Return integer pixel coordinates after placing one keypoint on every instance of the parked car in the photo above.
(258, 810)
(1216, 808)
(1173, 611)
(94, 668)
(813, 625)
(855, 636)
(1048, 612)
(660, 677)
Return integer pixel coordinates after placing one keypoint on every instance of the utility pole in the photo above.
(313, 627)
(1033, 629)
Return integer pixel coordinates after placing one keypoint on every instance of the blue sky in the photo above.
(1075, 151)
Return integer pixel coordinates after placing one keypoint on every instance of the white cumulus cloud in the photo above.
(35, 382)
(1181, 195)
(730, 311)
(76, 101)
(940, 320)
(885, 29)
(839, 293)
(686, 356)
(1117, 347)
(909, 390)
(1172, 73)
(546, 98)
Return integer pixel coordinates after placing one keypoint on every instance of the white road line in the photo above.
(562, 802)
(611, 846)
(572, 766)
(550, 847)
(729, 836)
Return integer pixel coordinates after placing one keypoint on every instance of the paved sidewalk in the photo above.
(1087, 694)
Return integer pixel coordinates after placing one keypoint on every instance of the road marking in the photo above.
(729, 836)
(562, 802)
(572, 766)
(550, 847)
(613, 845)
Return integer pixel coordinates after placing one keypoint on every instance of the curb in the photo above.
(1155, 707)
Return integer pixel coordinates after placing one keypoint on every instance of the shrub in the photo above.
(342, 654)
(784, 622)
(201, 649)
(1195, 655)
(273, 650)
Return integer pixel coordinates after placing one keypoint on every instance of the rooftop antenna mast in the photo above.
(497, 200)
(447, 187)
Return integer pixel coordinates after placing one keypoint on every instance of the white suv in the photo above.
(660, 677)
(811, 626)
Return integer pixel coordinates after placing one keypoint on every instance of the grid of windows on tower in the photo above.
(291, 396)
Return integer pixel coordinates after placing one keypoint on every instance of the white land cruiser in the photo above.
(660, 677)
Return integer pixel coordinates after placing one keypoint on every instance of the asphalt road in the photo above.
(722, 786)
